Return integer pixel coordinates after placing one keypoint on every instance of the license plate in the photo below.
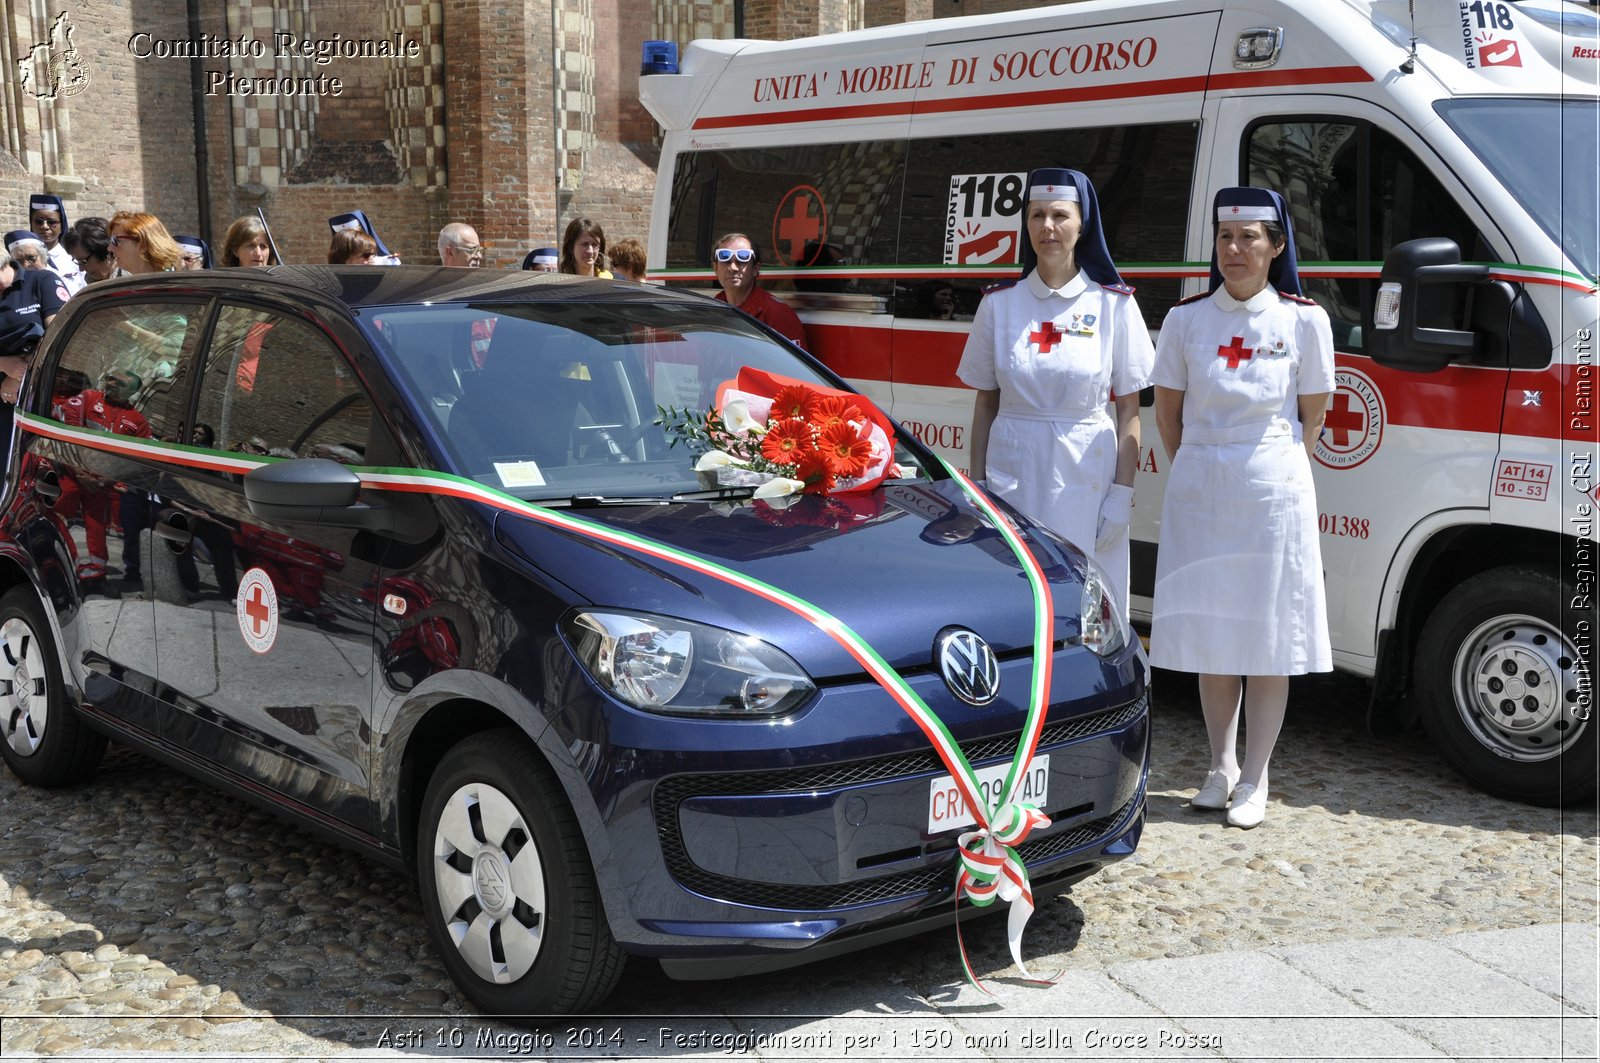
(947, 810)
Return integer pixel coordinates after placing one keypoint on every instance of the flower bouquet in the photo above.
(786, 437)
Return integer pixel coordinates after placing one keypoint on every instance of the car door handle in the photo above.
(47, 485)
(174, 533)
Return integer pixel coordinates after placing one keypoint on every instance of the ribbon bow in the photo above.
(990, 867)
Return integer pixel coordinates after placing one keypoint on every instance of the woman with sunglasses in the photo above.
(89, 244)
(583, 249)
(737, 263)
(141, 244)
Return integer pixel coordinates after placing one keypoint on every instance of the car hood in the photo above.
(898, 565)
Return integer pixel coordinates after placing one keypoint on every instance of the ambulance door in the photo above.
(1397, 447)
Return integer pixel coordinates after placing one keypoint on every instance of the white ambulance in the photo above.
(1441, 152)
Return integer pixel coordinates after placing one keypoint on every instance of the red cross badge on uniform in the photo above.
(1235, 352)
(1046, 336)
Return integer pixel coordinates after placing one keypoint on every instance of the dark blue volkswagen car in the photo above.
(412, 557)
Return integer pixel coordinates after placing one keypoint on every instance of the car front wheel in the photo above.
(44, 742)
(507, 886)
(1504, 688)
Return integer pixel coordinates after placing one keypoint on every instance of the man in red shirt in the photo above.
(737, 263)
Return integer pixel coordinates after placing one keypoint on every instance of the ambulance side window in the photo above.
(808, 207)
(963, 203)
(1355, 192)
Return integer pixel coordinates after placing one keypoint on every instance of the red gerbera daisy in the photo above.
(815, 474)
(834, 409)
(792, 401)
(787, 441)
(844, 450)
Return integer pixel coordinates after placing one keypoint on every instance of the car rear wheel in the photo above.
(507, 886)
(45, 742)
(1503, 688)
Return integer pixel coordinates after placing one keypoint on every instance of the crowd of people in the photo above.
(1241, 375)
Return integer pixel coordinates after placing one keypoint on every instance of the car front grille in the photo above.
(671, 792)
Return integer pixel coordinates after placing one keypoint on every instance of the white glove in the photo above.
(1115, 512)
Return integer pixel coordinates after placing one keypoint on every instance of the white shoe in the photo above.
(1249, 806)
(1215, 791)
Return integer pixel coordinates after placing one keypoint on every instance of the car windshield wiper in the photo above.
(595, 501)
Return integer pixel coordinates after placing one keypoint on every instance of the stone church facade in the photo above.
(512, 115)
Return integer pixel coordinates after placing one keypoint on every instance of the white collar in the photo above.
(1075, 287)
(1255, 304)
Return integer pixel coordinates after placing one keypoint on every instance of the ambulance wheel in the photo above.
(508, 891)
(1505, 690)
(43, 739)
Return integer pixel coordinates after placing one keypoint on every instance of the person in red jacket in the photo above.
(110, 409)
(737, 263)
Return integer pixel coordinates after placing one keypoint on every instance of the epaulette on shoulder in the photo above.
(998, 286)
(1120, 289)
(1302, 300)
(1193, 299)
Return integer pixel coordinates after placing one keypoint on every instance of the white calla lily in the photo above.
(779, 487)
(737, 419)
(712, 459)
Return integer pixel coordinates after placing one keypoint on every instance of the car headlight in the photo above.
(1101, 624)
(678, 667)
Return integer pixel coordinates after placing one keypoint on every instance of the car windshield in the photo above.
(1549, 166)
(559, 401)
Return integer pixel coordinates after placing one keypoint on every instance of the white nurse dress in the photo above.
(1057, 355)
(1239, 587)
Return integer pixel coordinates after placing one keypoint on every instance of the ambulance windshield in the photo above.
(1549, 164)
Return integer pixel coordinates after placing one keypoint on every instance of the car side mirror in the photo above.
(1424, 296)
(319, 491)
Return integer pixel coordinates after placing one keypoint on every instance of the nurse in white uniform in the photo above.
(1242, 377)
(1046, 356)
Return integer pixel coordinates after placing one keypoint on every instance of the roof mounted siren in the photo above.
(1257, 47)
(660, 57)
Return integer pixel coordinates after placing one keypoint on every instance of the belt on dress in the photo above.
(1032, 413)
(1249, 432)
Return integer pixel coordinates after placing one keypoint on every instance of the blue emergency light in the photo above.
(660, 57)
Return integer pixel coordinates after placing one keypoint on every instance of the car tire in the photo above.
(44, 740)
(507, 886)
(1503, 687)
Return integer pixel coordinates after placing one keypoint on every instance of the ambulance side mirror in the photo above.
(1424, 301)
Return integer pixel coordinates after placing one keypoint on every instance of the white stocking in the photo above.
(1219, 703)
(1266, 699)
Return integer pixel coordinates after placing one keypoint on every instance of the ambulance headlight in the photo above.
(1101, 625)
(1386, 312)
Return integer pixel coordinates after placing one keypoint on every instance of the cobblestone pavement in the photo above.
(140, 913)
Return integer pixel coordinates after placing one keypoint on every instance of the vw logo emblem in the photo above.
(968, 666)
